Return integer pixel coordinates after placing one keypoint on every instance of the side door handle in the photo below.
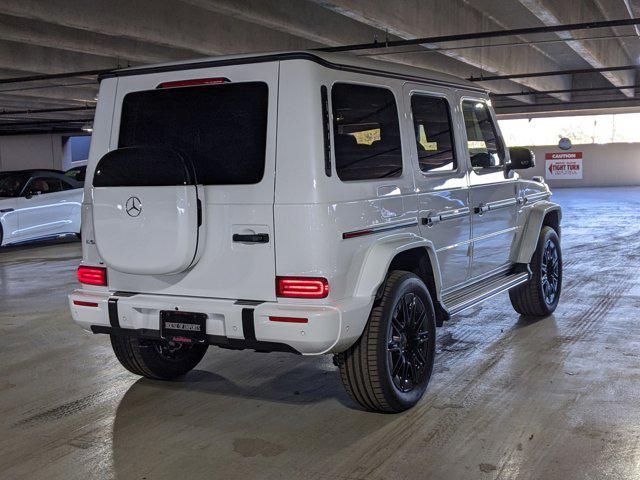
(431, 220)
(251, 238)
(480, 209)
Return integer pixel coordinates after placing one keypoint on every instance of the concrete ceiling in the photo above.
(60, 36)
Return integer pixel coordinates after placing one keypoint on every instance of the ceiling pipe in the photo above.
(567, 90)
(36, 123)
(524, 107)
(478, 35)
(552, 73)
(50, 76)
(45, 110)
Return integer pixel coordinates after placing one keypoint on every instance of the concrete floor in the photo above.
(510, 398)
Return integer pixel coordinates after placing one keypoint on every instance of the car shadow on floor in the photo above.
(282, 378)
(210, 422)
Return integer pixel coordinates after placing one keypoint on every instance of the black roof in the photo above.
(44, 171)
(32, 171)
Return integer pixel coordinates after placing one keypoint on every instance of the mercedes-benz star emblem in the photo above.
(133, 207)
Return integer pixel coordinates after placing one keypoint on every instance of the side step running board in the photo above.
(471, 295)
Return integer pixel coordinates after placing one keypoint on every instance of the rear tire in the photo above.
(540, 295)
(389, 367)
(156, 359)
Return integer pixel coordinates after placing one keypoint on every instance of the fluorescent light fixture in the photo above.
(87, 127)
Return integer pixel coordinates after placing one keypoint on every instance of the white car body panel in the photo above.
(225, 269)
(305, 212)
(158, 235)
(40, 216)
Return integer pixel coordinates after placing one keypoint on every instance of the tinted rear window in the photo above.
(222, 129)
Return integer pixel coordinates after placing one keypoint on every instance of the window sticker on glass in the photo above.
(367, 137)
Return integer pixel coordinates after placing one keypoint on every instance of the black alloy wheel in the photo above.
(550, 272)
(408, 345)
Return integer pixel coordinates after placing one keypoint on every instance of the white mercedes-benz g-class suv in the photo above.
(304, 202)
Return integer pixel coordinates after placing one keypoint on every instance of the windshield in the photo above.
(77, 173)
(11, 185)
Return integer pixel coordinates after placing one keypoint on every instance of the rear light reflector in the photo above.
(81, 303)
(92, 275)
(357, 233)
(302, 287)
(193, 82)
(289, 319)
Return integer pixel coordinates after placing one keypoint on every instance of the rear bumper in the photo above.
(232, 324)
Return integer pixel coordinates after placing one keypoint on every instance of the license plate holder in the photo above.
(183, 327)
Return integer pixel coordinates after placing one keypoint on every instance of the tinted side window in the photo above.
(485, 149)
(366, 132)
(42, 186)
(434, 135)
(221, 129)
(67, 186)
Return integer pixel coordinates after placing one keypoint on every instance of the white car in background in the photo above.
(38, 204)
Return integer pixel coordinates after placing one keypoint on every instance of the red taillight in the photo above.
(302, 287)
(193, 82)
(81, 303)
(289, 319)
(92, 275)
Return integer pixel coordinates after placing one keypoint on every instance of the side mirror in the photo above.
(521, 158)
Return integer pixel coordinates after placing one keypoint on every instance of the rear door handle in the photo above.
(431, 220)
(480, 209)
(251, 238)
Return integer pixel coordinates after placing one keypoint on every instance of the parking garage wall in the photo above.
(31, 151)
(607, 165)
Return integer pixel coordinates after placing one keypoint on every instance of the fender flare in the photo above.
(529, 236)
(379, 256)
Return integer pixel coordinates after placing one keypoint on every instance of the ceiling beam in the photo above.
(412, 19)
(318, 24)
(165, 23)
(596, 54)
(37, 32)
(485, 34)
(45, 60)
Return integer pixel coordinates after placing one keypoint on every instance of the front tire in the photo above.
(540, 295)
(157, 359)
(389, 367)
